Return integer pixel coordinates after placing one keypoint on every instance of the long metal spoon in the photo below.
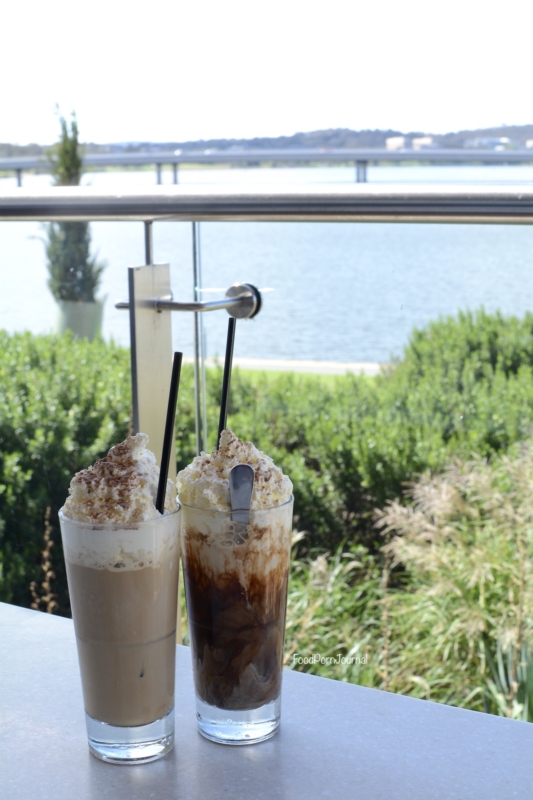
(241, 486)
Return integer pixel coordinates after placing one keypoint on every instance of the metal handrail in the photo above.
(242, 301)
(348, 202)
(194, 305)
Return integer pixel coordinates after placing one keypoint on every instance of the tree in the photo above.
(66, 156)
(74, 275)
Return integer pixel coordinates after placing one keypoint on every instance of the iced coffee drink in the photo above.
(236, 577)
(122, 560)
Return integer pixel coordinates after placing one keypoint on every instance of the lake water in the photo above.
(341, 291)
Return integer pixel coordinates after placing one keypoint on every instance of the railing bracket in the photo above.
(242, 301)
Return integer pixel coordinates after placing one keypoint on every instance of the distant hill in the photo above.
(516, 133)
(332, 138)
(19, 150)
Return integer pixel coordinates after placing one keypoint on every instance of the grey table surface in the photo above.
(336, 741)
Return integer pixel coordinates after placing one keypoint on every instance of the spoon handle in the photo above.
(241, 485)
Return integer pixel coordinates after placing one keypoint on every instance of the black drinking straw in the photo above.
(224, 400)
(169, 432)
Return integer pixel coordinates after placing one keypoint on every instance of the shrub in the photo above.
(466, 606)
(334, 615)
(63, 403)
(458, 627)
(349, 443)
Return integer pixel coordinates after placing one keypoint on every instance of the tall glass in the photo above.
(236, 578)
(123, 584)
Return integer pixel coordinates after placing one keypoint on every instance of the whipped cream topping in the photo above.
(205, 482)
(120, 488)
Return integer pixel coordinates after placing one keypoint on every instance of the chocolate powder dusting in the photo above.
(205, 482)
(237, 621)
(121, 487)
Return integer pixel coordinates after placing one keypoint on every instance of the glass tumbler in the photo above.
(123, 584)
(236, 577)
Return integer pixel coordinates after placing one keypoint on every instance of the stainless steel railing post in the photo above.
(360, 171)
(148, 244)
(199, 346)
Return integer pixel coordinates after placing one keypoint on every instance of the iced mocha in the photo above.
(122, 560)
(235, 576)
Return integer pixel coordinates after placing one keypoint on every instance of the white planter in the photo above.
(83, 319)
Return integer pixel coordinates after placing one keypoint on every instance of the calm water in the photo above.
(341, 291)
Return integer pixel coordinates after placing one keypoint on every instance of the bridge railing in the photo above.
(360, 158)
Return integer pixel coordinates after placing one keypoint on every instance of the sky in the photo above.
(167, 71)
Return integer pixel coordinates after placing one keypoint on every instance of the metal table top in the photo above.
(336, 739)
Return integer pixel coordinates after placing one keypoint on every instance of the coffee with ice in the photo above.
(236, 584)
(122, 560)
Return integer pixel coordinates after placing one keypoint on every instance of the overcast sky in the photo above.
(167, 71)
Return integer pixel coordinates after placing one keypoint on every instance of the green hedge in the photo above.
(464, 386)
(63, 403)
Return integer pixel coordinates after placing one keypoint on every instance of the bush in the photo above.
(457, 628)
(464, 618)
(349, 443)
(464, 386)
(334, 616)
(63, 403)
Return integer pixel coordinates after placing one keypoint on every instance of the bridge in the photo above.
(360, 158)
